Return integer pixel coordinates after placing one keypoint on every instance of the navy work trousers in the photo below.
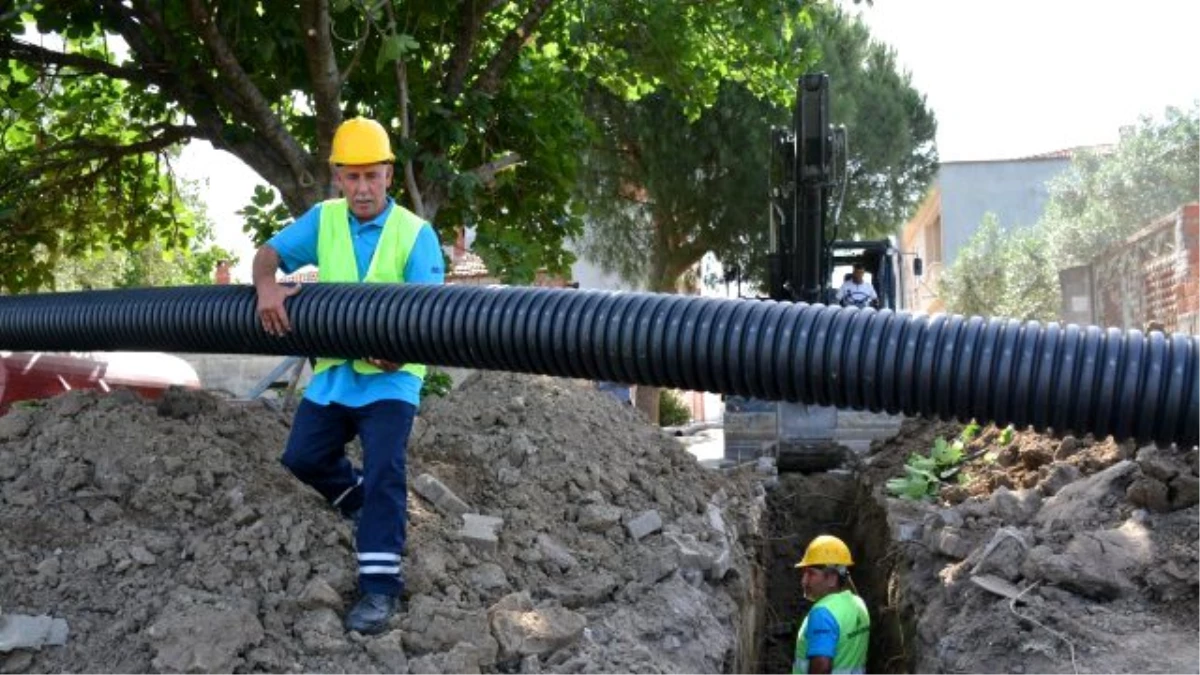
(316, 454)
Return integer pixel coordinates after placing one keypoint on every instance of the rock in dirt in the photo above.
(536, 632)
(202, 634)
(1087, 500)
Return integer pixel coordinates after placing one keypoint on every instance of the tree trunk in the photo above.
(646, 399)
(664, 278)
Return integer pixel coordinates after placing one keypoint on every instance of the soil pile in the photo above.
(169, 538)
(1047, 555)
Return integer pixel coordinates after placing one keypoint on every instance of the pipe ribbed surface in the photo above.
(1067, 379)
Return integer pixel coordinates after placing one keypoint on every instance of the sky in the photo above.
(1004, 79)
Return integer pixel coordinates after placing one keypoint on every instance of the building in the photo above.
(1015, 190)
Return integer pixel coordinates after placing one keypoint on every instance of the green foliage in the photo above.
(1003, 273)
(1104, 198)
(437, 383)
(78, 177)
(924, 474)
(1006, 436)
(265, 215)
(492, 123)
(663, 188)
(148, 264)
(1098, 202)
(672, 411)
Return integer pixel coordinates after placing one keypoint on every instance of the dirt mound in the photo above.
(1047, 555)
(169, 538)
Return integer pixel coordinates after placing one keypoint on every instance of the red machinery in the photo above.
(38, 375)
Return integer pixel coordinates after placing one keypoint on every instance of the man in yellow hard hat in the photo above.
(362, 237)
(834, 635)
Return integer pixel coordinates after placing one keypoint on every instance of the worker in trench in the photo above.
(364, 236)
(833, 637)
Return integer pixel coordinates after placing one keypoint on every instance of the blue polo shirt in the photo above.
(821, 633)
(297, 247)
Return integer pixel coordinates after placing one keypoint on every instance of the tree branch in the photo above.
(471, 13)
(170, 136)
(489, 80)
(486, 173)
(33, 54)
(360, 45)
(401, 70)
(323, 70)
(261, 117)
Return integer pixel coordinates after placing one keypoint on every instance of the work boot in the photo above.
(370, 615)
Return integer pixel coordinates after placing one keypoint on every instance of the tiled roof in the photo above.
(1068, 153)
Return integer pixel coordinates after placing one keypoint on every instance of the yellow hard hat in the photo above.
(826, 550)
(361, 141)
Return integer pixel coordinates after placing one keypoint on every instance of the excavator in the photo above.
(807, 188)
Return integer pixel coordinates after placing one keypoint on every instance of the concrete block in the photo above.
(480, 532)
(19, 631)
(442, 497)
(644, 524)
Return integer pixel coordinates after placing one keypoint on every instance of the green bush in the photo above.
(672, 411)
(437, 383)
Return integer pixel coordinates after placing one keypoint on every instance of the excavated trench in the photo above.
(801, 507)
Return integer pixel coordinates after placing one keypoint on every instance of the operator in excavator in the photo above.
(833, 637)
(856, 292)
(364, 236)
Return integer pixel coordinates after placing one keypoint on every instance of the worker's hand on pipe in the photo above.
(384, 365)
(271, 310)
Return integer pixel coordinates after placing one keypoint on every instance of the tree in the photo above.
(1104, 198)
(65, 192)
(1099, 201)
(661, 191)
(149, 264)
(482, 96)
(1003, 273)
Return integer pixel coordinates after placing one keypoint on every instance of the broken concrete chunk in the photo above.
(442, 498)
(19, 631)
(949, 542)
(646, 523)
(387, 650)
(1185, 491)
(1003, 555)
(599, 517)
(1015, 507)
(479, 532)
(191, 637)
(318, 593)
(555, 553)
(539, 632)
(513, 602)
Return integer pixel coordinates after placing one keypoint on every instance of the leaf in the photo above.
(946, 454)
(1006, 436)
(394, 48)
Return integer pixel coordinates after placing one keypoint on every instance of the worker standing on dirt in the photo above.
(833, 637)
(362, 237)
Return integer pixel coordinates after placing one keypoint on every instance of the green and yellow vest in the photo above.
(854, 632)
(336, 261)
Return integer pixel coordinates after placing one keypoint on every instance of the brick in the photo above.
(479, 532)
(442, 497)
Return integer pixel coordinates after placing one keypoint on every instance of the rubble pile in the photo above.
(551, 530)
(1051, 555)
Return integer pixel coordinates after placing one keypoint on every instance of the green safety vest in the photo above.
(336, 261)
(854, 632)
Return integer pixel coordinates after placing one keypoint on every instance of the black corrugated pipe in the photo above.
(1065, 379)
